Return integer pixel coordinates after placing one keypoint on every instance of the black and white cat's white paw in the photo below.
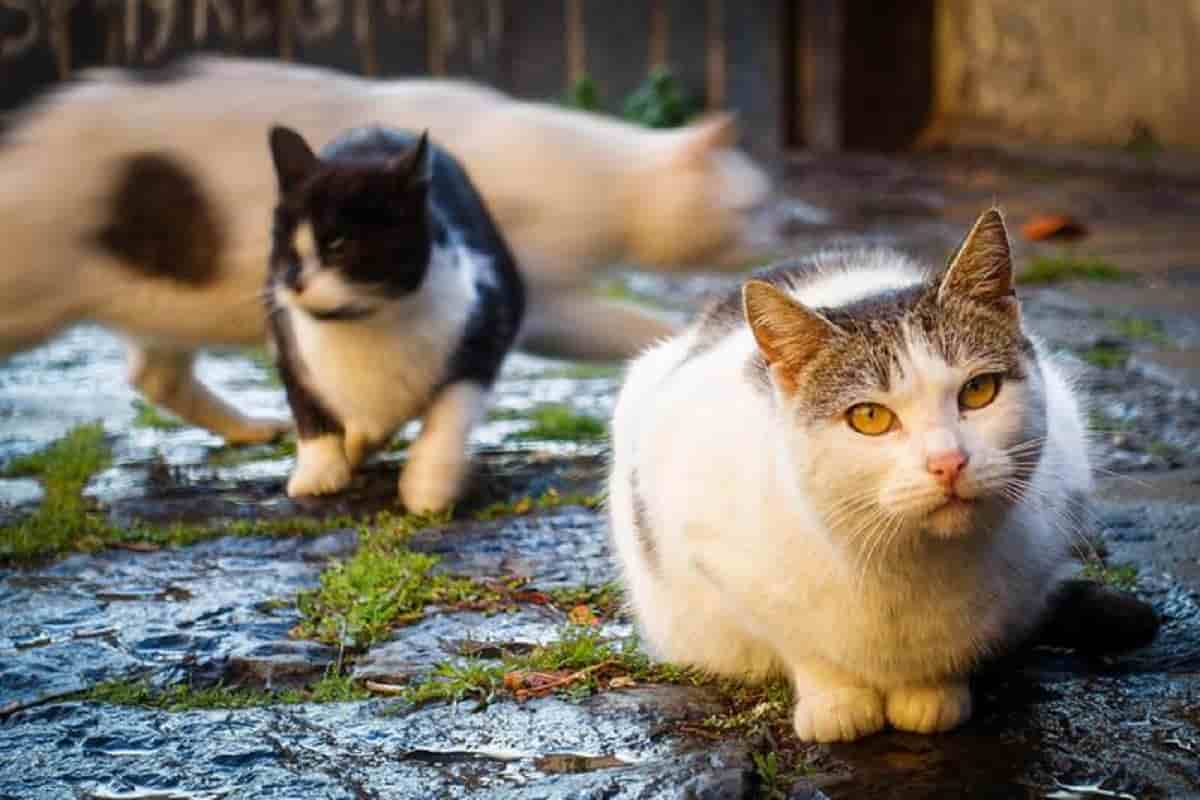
(321, 467)
(929, 709)
(838, 715)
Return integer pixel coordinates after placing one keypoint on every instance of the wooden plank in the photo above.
(687, 46)
(473, 38)
(823, 32)
(400, 38)
(754, 69)
(618, 46)
(533, 60)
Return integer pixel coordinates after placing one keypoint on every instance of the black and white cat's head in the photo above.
(351, 236)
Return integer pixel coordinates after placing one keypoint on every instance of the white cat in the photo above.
(103, 180)
(855, 472)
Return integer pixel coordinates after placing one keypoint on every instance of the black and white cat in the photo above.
(392, 295)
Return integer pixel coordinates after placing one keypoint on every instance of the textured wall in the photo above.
(1087, 71)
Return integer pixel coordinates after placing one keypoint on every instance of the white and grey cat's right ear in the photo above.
(982, 269)
(294, 159)
(788, 333)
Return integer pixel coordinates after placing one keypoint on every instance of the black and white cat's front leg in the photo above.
(438, 461)
(321, 463)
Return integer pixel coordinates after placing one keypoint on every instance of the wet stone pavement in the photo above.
(224, 611)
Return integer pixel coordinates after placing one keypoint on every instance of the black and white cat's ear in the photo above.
(413, 167)
(788, 333)
(982, 269)
(294, 159)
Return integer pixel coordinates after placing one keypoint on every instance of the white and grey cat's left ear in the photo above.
(294, 159)
(413, 168)
(982, 269)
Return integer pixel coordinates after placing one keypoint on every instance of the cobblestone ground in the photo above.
(200, 636)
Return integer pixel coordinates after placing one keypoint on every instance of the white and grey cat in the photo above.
(392, 296)
(137, 201)
(856, 472)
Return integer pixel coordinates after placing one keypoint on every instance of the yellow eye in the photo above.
(979, 391)
(871, 419)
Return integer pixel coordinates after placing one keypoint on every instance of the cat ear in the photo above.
(788, 333)
(711, 132)
(294, 159)
(412, 168)
(982, 268)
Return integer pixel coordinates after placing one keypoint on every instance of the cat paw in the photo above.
(257, 430)
(422, 494)
(321, 468)
(838, 715)
(929, 709)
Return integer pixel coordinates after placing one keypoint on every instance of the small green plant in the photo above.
(525, 505)
(1140, 329)
(1105, 356)
(559, 422)
(1049, 270)
(64, 521)
(383, 585)
(583, 94)
(1118, 576)
(660, 102)
(149, 416)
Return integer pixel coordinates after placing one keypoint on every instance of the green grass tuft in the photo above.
(547, 500)
(1118, 576)
(1140, 329)
(1105, 356)
(64, 521)
(558, 422)
(138, 692)
(149, 416)
(1047, 270)
(384, 584)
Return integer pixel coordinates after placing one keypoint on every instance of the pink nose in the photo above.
(946, 466)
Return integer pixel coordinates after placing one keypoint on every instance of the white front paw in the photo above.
(838, 715)
(929, 709)
(321, 467)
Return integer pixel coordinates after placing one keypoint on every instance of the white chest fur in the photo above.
(376, 373)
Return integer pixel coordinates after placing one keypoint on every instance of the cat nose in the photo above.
(946, 466)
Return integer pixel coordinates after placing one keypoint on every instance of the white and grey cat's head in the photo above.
(916, 409)
(351, 234)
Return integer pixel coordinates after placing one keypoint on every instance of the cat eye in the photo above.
(871, 419)
(979, 391)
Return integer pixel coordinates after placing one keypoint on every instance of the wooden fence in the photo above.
(726, 53)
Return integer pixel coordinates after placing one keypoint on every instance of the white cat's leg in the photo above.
(166, 378)
(577, 324)
(438, 460)
(321, 466)
(929, 709)
(832, 706)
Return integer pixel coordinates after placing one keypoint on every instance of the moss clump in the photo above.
(333, 688)
(578, 663)
(582, 372)
(1047, 270)
(558, 422)
(384, 584)
(236, 455)
(526, 505)
(604, 600)
(1140, 329)
(64, 521)
(1106, 356)
(149, 416)
(1118, 576)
